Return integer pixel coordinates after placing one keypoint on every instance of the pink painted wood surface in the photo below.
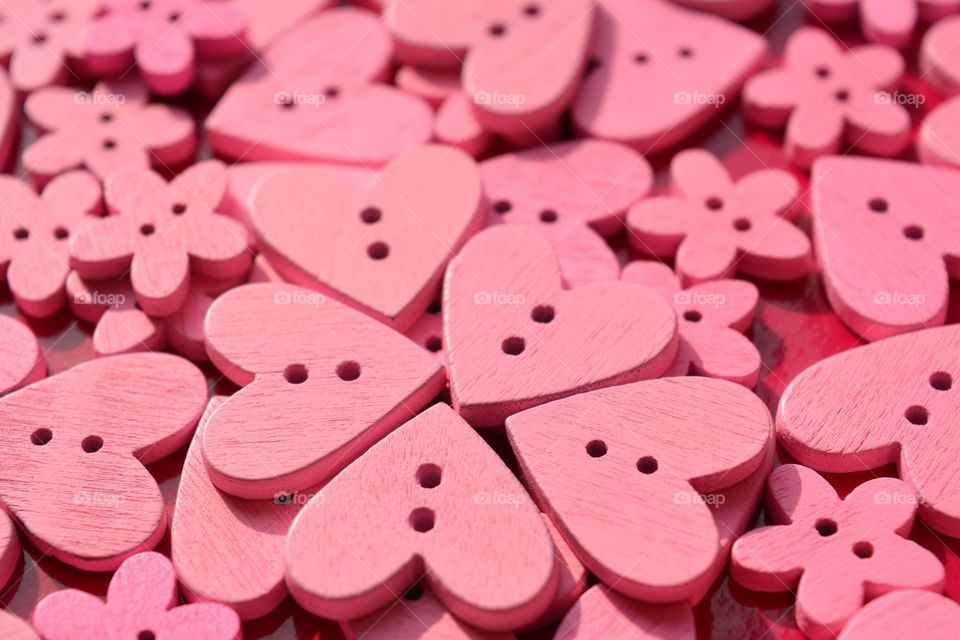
(623, 480)
(433, 85)
(75, 448)
(244, 178)
(159, 233)
(437, 503)
(211, 530)
(382, 250)
(540, 342)
(9, 552)
(717, 228)
(730, 9)
(111, 306)
(184, 329)
(570, 191)
(9, 120)
(711, 319)
(110, 128)
(828, 96)
(304, 360)
(885, 236)
(522, 62)
(663, 73)
(418, 614)
(938, 140)
(427, 331)
(456, 124)
(835, 554)
(888, 22)
(164, 38)
(915, 614)
(13, 628)
(141, 603)
(38, 41)
(315, 96)
(267, 21)
(21, 360)
(602, 613)
(939, 62)
(840, 416)
(35, 233)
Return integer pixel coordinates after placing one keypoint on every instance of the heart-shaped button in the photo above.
(381, 250)
(627, 474)
(437, 503)
(515, 338)
(886, 233)
(302, 357)
(314, 95)
(93, 428)
(891, 402)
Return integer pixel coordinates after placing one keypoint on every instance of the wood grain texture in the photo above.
(112, 127)
(437, 503)
(13, 628)
(211, 530)
(885, 235)
(602, 613)
(540, 342)
(418, 614)
(164, 38)
(73, 476)
(427, 331)
(571, 581)
(570, 191)
(185, 328)
(836, 554)
(915, 614)
(33, 67)
(315, 96)
(711, 319)
(938, 140)
(34, 236)
(522, 64)
(159, 233)
(663, 73)
(21, 360)
(891, 402)
(939, 63)
(624, 479)
(141, 603)
(828, 96)
(243, 179)
(304, 360)
(381, 250)
(717, 228)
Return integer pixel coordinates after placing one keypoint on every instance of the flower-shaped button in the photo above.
(141, 603)
(41, 38)
(164, 37)
(34, 235)
(717, 227)
(160, 233)
(711, 320)
(834, 553)
(825, 95)
(109, 128)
